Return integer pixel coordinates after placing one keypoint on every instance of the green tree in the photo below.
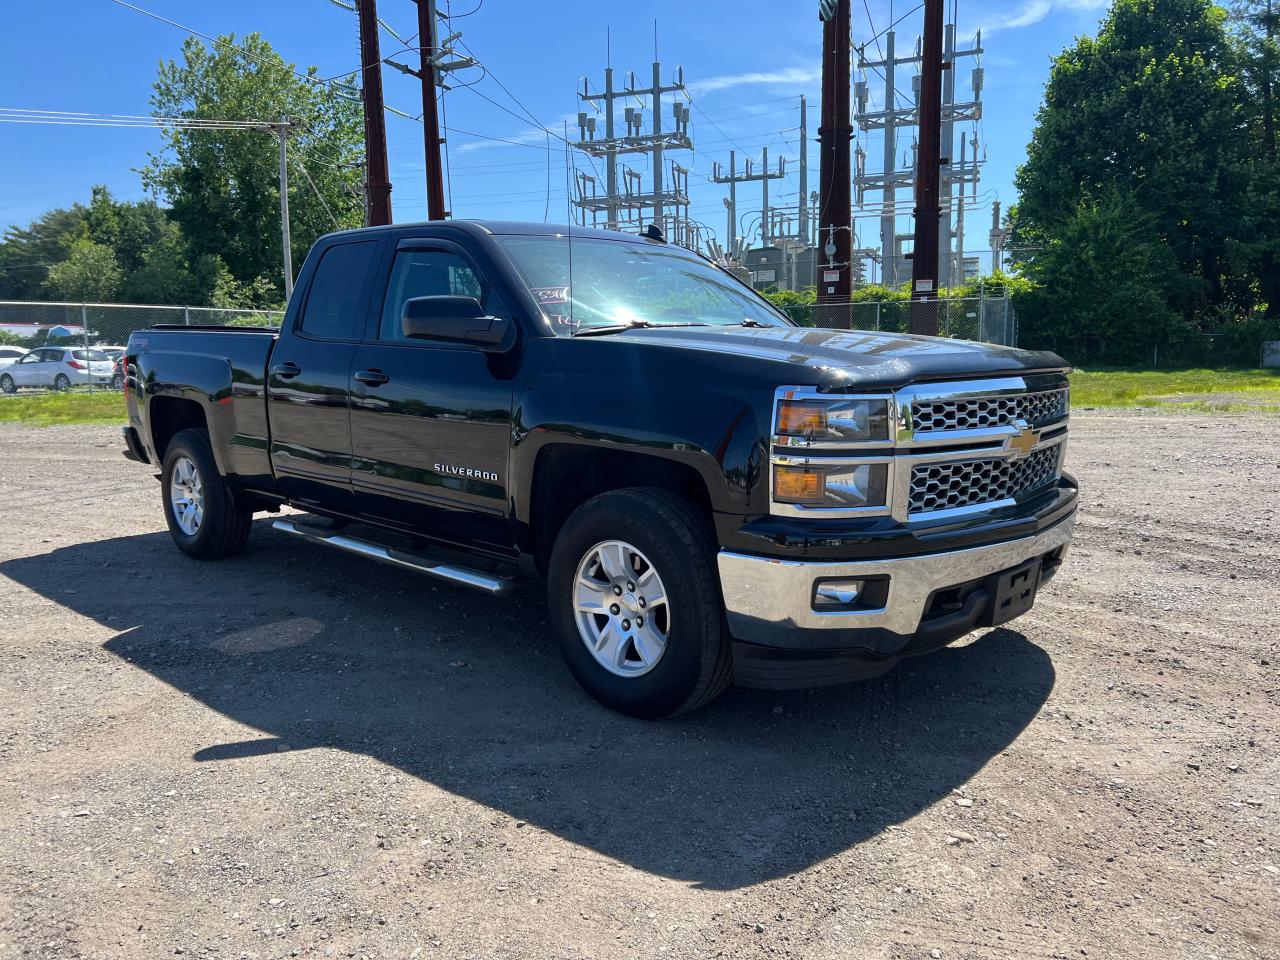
(27, 253)
(222, 185)
(1151, 108)
(1101, 284)
(90, 272)
(1257, 27)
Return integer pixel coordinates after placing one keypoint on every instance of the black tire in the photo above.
(224, 528)
(117, 382)
(62, 382)
(7, 385)
(697, 664)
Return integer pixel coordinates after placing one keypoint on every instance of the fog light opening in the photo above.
(837, 594)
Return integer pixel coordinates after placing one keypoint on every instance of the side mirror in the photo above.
(453, 320)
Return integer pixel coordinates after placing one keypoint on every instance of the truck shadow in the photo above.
(468, 693)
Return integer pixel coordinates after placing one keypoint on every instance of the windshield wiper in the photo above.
(633, 325)
(749, 322)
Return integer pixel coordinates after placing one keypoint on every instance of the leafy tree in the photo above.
(1102, 284)
(27, 253)
(1151, 107)
(222, 185)
(90, 272)
(1257, 25)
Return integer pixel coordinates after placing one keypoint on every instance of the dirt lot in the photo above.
(294, 753)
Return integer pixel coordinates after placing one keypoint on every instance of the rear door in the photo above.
(431, 422)
(309, 376)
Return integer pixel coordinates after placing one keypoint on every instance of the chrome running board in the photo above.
(462, 576)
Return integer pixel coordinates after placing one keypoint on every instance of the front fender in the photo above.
(715, 432)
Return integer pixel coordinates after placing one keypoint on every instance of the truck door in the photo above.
(431, 422)
(309, 377)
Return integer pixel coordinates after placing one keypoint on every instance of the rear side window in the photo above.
(333, 305)
(89, 355)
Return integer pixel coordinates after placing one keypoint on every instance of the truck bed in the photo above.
(223, 369)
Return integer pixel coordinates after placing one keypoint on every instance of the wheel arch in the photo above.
(567, 475)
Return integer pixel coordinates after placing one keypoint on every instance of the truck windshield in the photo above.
(619, 283)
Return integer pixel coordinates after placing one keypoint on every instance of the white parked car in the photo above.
(57, 367)
(9, 354)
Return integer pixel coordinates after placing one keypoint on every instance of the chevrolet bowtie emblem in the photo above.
(1023, 442)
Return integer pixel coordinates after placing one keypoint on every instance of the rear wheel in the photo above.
(117, 381)
(203, 516)
(7, 385)
(632, 589)
(62, 382)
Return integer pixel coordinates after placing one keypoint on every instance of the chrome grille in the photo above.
(969, 413)
(963, 483)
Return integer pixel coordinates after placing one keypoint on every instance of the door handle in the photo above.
(372, 378)
(286, 371)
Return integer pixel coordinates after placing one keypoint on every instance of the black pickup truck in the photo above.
(710, 492)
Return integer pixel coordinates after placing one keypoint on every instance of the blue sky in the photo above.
(746, 63)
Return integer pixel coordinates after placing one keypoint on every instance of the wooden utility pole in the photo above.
(833, 271)
(427, 25)
(924, 252)
(377, 180)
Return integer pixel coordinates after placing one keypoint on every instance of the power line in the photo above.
(78, 118)
(225, 44)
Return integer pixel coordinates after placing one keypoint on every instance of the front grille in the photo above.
(968, 413)
(964, 483)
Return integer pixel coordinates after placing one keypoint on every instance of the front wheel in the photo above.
(633, 591)
(62, 382)
(203, 516)
(7, 385)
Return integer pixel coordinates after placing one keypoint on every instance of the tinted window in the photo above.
(424, 273)
(89, 355)
(10, 354)
(333, 304)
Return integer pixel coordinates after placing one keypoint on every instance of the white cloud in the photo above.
(1033, 11)
(794, 76)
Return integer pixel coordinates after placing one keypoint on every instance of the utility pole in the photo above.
(996, 239)
(430, 120)
(900, 113)
(613, 203)
(377, 180)
(833, 279)
(733, 178)
(802, 229)
(732, 202)
(924, 251)
(282, 131)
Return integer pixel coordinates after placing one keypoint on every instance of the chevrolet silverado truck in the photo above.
(711, 492)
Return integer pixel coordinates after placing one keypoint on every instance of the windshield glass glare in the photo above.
(619, 282)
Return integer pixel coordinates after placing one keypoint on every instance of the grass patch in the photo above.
(1196, 391)
(51, 409)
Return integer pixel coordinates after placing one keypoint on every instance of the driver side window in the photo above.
(425, 273)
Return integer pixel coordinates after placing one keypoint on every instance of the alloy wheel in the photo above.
(621, 608)
(186, 496)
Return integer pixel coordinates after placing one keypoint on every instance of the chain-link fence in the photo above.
(991, 319)
(75, 346)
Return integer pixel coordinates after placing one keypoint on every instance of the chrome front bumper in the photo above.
(768, 598)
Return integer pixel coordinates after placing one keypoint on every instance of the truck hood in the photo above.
(842, 359)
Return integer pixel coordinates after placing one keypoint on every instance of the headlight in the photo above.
(834, 486)
(832, 422)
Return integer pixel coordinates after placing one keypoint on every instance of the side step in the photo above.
(484, 582)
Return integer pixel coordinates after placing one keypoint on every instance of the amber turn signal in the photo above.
(797, 484)
(801, 419)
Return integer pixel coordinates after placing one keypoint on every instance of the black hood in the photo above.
(840, 359)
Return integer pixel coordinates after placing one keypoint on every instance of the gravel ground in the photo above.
(294, 753)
